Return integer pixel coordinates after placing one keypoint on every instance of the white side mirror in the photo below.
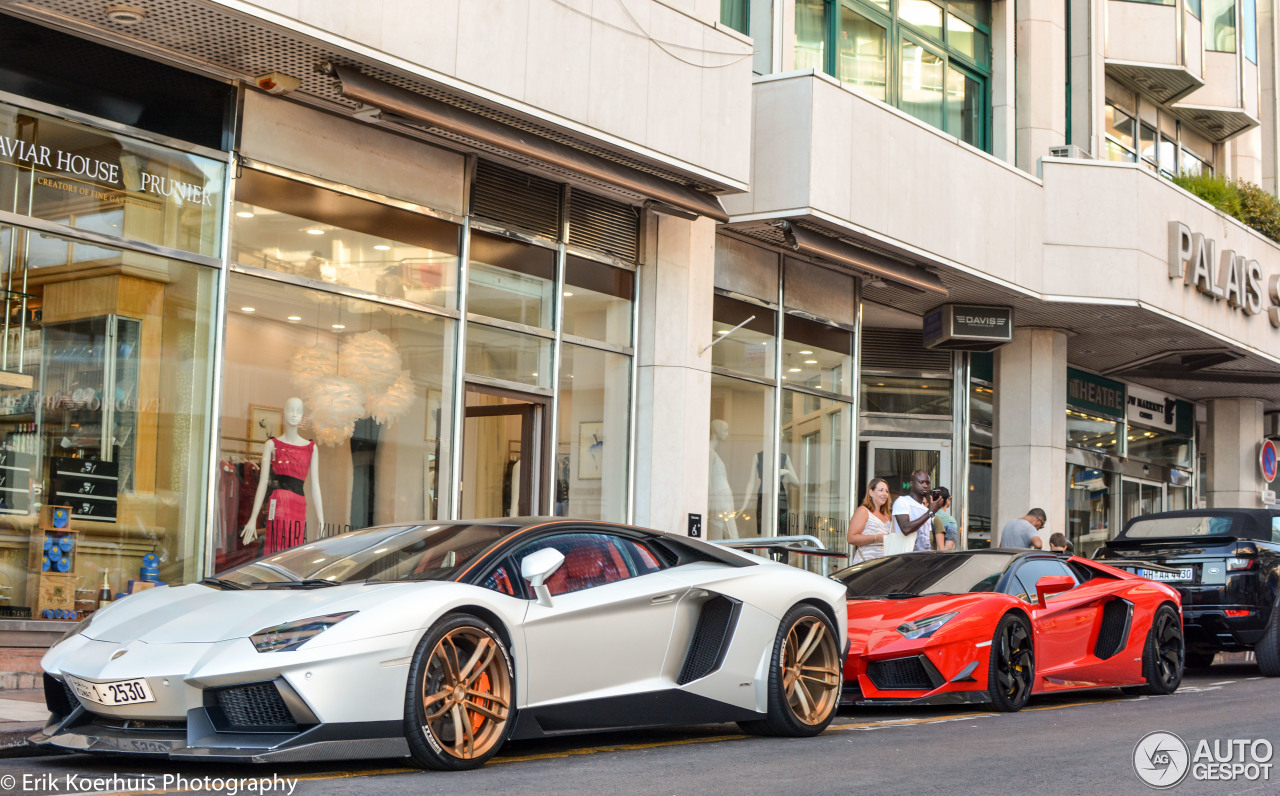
(537, 567)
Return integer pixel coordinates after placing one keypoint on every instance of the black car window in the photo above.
(1028, 574)
(590, 559)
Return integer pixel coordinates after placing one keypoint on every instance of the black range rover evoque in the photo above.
(1227, 568)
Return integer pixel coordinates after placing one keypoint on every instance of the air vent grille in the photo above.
(901, 350)
(604, 225)
(513, 198)
(901, 674)
(1113, 634)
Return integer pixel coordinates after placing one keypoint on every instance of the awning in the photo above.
(863, 260)
(429, 112)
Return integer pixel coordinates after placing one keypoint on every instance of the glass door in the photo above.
(1138, 498)
(896, 459)
(502, 461)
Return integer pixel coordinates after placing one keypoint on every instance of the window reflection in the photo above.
(741, 437)
(922, 90)
(817, 356)
(511, 281)
(591, 453)
(813, 483)
(749, 349)
(1092, 432)
(597, 301)
(896, 395)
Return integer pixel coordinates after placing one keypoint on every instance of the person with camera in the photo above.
(915, 510)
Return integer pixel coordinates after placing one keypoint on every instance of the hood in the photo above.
(194, 613)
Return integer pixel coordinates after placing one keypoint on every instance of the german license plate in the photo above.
(116, 692)
(1185, 573)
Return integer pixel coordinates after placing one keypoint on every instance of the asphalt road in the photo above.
(1082, 743)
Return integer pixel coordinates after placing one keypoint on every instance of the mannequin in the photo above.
(287, 461)
(720, 513)
(786, 478)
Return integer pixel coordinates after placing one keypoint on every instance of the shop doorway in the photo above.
(502, 453)
(895, 460)
(1138, 498)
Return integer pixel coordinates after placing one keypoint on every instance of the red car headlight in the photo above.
(923, 628)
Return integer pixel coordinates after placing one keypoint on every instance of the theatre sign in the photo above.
(1227, 277)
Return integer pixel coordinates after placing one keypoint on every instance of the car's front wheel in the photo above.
(1012, 671)
(460, 697)
(804, 676)
(1163, 655)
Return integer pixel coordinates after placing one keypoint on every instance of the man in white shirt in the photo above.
(911, 512)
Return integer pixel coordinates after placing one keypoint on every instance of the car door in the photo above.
(1064, 625)
(607, 630)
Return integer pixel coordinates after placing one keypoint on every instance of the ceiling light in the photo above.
(248, 309)
(723, 331)
(125, 15)
(382, 247)
(793, 370)
(295, 317)
(811, 362)
(805, 353)
(339, 326)
(567, 294)
(315, 232)
(244, 213)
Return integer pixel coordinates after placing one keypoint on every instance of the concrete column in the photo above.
(1268, 112)
(1030, 455)
(673, 391)
(1235, 432)
(1247, 156)
(1041, 63)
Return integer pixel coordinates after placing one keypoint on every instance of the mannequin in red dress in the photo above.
(287, 462)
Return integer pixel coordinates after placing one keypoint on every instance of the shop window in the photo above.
(981, 404)
(1219, 26)
(1094, 433)
(813, 484)
(905, 396)
(105, 414)
(510, 356)
(741, 432)
(375, 382)
(816, 355)
(592, 430)
(1158, 447)
(1089, 504)
(978, 531)
(749, 349)
(511, 281)
(104, 182)
(597, 301)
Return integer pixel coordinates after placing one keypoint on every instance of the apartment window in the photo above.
(1120, 135)
(735, 14)
(930, 58)
(1220, 26)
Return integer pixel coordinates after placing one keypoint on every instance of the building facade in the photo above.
(692, 264)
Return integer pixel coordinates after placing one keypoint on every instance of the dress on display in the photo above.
(286, 504)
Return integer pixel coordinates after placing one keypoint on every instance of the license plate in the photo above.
(116, 692)
(1185, 573)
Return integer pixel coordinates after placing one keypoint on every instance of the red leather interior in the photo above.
(587, 564)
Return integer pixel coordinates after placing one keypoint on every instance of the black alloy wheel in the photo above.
(1163, 655)
(1012, 670)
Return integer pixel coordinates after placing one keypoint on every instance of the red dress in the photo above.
(286, 505)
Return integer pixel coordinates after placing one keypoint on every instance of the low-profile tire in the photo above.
(459, 702)
(804, 676)
(1163, 656)
(1268, 649)
(1012, 671)
(1200, 660)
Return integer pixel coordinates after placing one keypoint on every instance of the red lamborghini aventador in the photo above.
(1000, 625)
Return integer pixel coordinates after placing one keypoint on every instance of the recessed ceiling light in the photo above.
(382, 247)
(339, 326)
(567, 294)
(248, 309)
(295, 317)
(535, 373)
(805, 353)
(723, 331)
(315, 232)
(244, 213)
(811, 362)
(793, 370)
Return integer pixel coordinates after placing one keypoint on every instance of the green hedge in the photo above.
(1244, 201)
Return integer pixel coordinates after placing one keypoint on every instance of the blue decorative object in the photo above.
(44, 565)
(60, 516)
(54, 554)
(64, 565)
(48, 542)
(65, 543)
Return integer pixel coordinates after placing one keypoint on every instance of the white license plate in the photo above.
(116, 692)
(1185, 573)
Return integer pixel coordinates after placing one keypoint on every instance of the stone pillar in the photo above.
(673, 391)
(1029, 468)
(1041, 63)
(1235, 432)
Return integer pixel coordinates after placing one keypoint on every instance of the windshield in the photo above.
(412, 552)
(1173, 527)
(912, 575)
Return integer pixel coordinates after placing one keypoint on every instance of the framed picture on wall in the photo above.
(590, 450)
(265, 422)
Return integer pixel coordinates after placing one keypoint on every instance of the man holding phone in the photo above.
(914, 511)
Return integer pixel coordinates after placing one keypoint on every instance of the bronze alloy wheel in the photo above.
(811, 670)
(466, 693)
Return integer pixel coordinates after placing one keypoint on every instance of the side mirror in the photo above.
(1053, 584)
(537, 567)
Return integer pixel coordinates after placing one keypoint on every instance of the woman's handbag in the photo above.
(895, 543)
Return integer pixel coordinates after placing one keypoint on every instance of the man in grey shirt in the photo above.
(1023, 532)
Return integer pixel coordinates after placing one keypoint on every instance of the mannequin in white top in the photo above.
(287, 462)
(720, 513)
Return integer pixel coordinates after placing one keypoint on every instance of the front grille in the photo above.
(1113, 634)
(58, 697)
(901, 674)
(710, 639)
(254, 706)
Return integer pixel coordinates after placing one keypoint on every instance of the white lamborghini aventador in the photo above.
(438, 642)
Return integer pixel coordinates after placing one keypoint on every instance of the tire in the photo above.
(1011, 673)
(458, 707)
(1268, 649)
(804, 677)
(1200, 660)
(1163, 656)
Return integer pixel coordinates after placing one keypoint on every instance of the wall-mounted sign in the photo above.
(1095, 395)
(1267, 460)
(1228, 277)
(1156, 410)
(968, 327)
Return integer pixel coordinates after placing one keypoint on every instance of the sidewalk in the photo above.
(22, 714)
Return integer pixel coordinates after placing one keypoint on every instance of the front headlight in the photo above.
(291, 635)
(923, 628)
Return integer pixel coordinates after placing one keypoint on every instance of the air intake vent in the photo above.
(1113, 634)
(604, 225)
(904, 674)
(253, 707)
(515, 199)
(710, 639)
(901, 350)
(58, 697)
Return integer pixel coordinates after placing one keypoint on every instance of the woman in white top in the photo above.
(871, 521)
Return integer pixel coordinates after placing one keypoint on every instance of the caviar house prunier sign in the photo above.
(1228, 277)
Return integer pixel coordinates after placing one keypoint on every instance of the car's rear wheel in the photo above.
(1162, 656)
(1012, 672)
(460, 697)
(804, 676)
(1268, 649)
